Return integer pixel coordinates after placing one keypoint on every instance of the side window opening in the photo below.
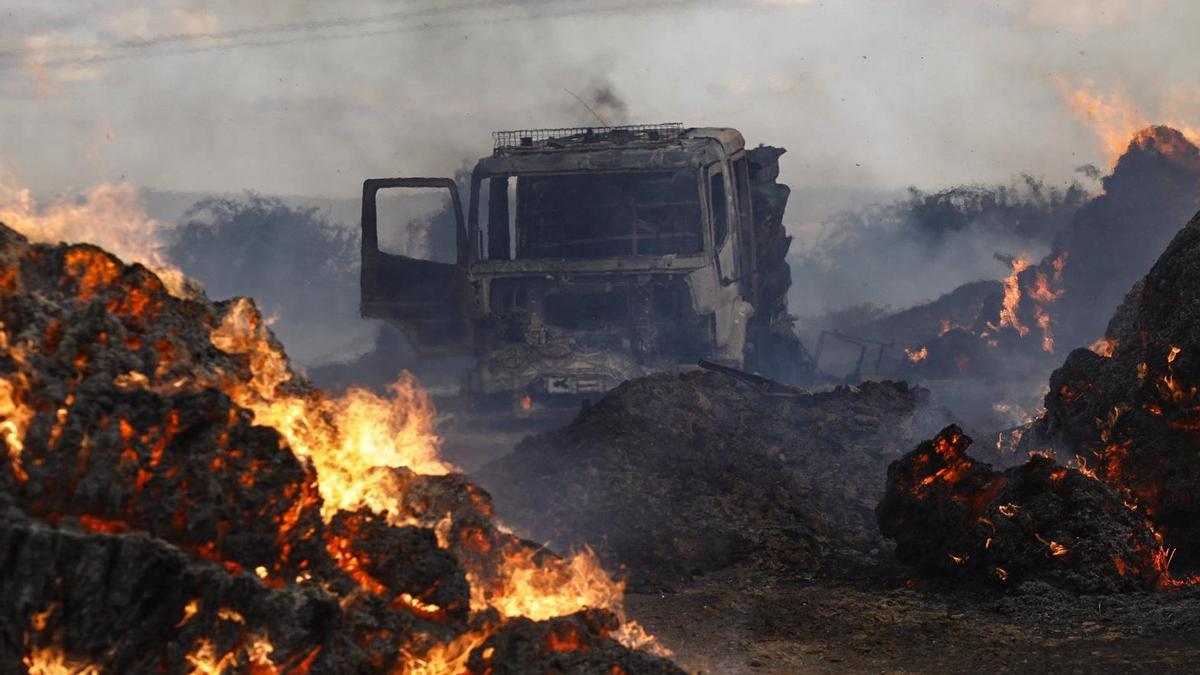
(498, 238)
(416, 222)
(741, 173)
(720, 218)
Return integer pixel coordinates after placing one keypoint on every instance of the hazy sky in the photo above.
(312, 97)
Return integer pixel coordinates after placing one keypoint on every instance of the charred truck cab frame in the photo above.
(586, 257)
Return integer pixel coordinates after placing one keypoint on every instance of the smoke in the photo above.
(109, 215)
(301, 269)
(1153, 190)
(913, 250)
(606, 103)
(308, 98)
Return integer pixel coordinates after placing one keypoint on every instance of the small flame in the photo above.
(1105, 347)
(204, 660)
(1012, 298)
(916, 355)
(51, 661)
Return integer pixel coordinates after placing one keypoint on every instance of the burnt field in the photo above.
(861, 529)
(806, 533)
(176, 496)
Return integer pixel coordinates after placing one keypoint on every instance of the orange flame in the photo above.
(1113, 119)
(1012, 298)
(110, 215)
(1104, 347)
(355, 443)
(353, 439)
(51, 661)
(15, 414)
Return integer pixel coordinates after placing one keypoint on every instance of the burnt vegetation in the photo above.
(151, 521)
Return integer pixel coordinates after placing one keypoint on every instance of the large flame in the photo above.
(346, 438)
(1114, 119)
(354, 438)
(109, 215)
(354, 441)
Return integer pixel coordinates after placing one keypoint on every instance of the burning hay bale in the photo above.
(674, 475)
(1128, 409)
(952, 515)
(174, 498)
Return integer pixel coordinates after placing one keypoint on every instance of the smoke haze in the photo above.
(295, 97)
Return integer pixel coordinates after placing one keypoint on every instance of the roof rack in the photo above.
(570, 136)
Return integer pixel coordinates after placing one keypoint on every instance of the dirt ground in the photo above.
(861, 617)
(724, 625)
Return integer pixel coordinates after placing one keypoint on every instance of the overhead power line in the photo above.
(466, 13)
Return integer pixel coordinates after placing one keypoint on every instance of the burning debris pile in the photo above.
(174, 498)
(1128, 410)
(1124, 415)
(673, 475)
(1062, 299)
(1040, 521)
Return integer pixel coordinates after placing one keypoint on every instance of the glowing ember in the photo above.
(1015, 525)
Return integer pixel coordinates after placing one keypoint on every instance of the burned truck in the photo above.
(587, 257)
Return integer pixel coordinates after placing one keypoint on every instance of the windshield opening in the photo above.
(607, 215)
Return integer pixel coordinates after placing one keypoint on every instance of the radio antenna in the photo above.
(589, 108)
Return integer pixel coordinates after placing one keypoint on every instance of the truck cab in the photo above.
(585, 257)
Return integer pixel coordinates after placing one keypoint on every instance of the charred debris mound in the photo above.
(954, 516)
(1130, 411)
(1123, 418)
(148, 525)
(673, 475)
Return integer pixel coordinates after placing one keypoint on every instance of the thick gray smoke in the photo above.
(299, 267)
(300, 97)
(915, 249)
